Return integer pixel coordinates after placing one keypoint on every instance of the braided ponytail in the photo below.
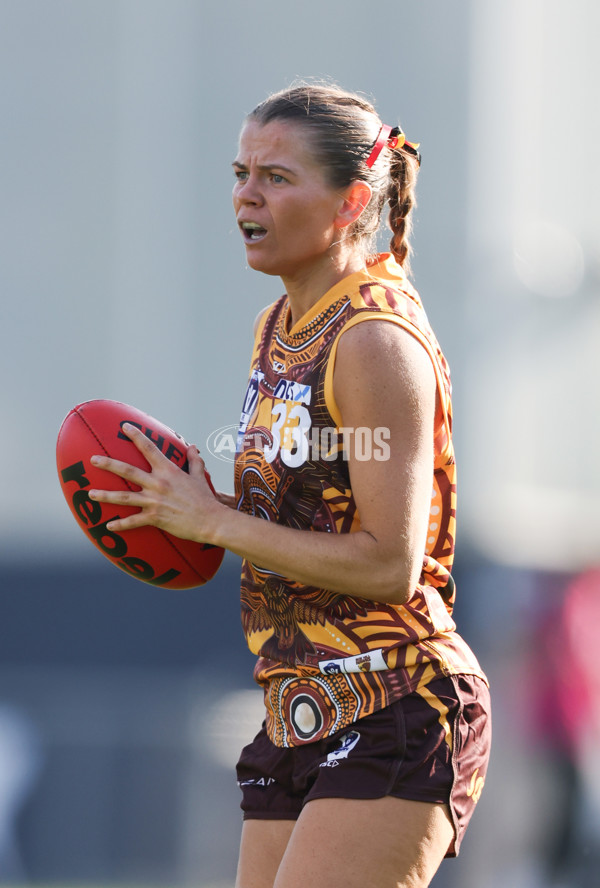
(401, 200)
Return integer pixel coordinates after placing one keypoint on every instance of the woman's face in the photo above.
(285, 209)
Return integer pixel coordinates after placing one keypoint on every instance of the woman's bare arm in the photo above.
(383, 379)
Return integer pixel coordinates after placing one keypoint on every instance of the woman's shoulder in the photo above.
(378, 344)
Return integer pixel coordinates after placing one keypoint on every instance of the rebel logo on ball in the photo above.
(147, 553)
(113, 545)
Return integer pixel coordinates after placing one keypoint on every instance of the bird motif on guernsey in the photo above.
(274, 605)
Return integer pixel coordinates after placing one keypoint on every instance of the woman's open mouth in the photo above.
(252, 232)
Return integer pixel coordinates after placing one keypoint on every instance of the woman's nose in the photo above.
(249, 192)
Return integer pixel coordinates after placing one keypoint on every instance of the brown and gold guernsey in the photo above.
(327, 659)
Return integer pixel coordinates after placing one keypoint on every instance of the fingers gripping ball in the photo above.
(147, 553)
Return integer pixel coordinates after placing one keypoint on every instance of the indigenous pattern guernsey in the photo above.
(326, 659)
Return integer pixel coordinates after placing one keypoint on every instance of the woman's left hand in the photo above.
(173, 500)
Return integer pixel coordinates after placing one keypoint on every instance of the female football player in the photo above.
(374, 749)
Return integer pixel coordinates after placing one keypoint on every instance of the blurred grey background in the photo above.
(123, 707)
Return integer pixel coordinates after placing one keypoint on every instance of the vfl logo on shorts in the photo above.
(348, 742)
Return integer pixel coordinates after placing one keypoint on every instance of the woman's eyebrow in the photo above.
(264, 167)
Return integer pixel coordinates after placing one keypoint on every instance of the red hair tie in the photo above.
(391, 137)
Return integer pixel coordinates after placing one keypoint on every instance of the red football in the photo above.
(147, 553)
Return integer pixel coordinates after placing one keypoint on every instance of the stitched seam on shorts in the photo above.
(455, 752)
(400, 730)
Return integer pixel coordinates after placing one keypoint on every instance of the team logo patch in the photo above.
(372, 661)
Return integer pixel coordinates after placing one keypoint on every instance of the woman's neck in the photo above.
(306, 288)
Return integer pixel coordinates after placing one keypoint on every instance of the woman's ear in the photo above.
(357, 196)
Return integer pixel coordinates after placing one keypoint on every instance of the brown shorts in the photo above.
(430, 746)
